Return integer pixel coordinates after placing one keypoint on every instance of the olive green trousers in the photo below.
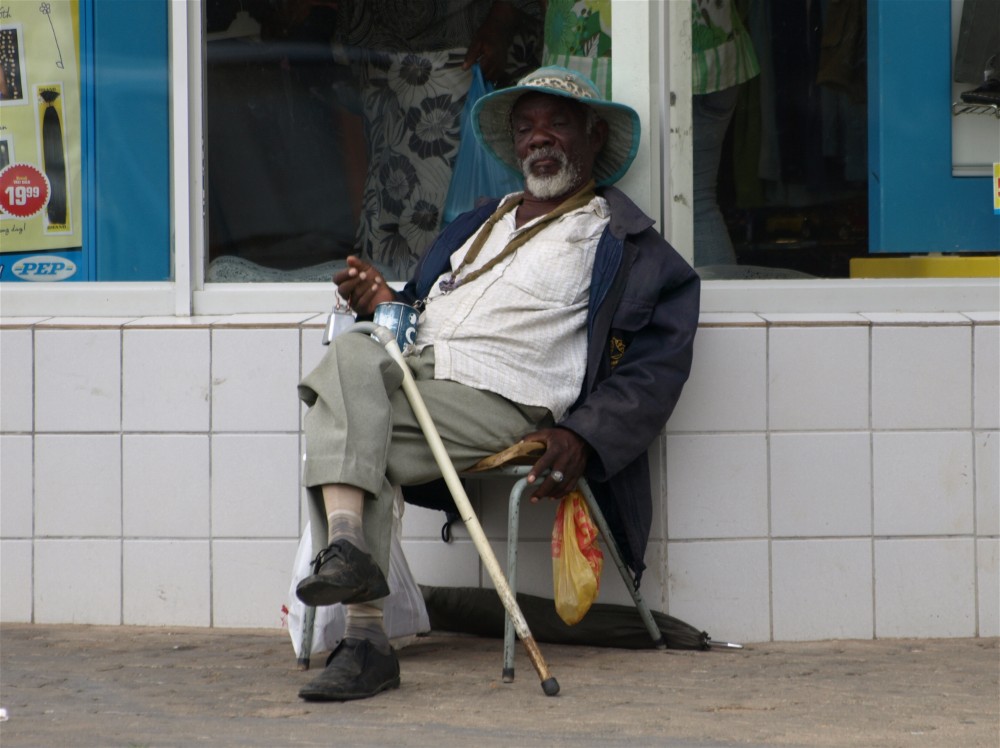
(360, 429)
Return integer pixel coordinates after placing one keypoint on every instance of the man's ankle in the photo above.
(343, 524)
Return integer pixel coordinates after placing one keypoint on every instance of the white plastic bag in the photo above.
(405, 615)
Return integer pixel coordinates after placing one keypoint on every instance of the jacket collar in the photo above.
(626, 217)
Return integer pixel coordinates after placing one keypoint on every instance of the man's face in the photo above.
(552, 143)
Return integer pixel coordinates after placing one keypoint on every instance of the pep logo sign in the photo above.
(44, 268)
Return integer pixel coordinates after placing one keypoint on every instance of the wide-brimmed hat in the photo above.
(491, 120)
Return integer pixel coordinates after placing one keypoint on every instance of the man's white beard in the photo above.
(553, 185)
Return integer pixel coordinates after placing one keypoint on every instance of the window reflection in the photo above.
(333, 125)
(793, 182)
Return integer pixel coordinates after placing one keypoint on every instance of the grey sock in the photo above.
(344, 524)
(365, 622)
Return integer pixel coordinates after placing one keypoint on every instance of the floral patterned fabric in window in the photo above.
(407, 59)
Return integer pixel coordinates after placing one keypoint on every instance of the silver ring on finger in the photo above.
(557, 476)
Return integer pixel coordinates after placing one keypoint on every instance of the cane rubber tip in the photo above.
(550, 686)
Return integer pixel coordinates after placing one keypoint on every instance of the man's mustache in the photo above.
(548, 152)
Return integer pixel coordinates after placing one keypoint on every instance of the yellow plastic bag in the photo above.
(576, 559)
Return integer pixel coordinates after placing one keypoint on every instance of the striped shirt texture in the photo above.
(519, 330)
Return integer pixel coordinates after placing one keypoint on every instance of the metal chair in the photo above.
(513, 526)
(511, 463)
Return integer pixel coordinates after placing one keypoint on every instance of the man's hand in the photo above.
(565, 457)
(362, 287)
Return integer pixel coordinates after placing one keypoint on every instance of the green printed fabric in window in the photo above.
(722, 53)
(578, 37)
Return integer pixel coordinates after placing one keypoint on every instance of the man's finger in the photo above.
(472, 55)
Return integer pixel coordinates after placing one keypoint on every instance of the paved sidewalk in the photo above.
(128, 686)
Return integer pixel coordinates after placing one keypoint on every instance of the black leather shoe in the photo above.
(342, 574)
(988, 93)
(355, 670)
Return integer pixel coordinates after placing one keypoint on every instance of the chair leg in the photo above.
(317, 524)
(612, 546)
(513, 526)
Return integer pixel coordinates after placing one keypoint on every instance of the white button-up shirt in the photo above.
(520, 329)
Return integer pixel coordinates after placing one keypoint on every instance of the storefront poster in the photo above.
(40, 143)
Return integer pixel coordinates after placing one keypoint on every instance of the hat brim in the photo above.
(491, 125)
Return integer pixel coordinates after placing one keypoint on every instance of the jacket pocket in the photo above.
(630, 317)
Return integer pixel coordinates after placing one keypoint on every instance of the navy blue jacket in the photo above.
(643, 314)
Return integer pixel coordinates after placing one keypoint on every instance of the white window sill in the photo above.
(813, 296)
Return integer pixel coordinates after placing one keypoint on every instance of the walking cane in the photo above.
(549, 684)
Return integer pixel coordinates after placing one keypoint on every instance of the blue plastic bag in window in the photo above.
(477, 174)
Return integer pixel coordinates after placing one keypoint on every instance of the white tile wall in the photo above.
(16, 575)
(986, 382)
(254, 378)
(822, 589)
(165, 485)
(78, 490)
(923, 587)
(987, 482)
(78, 380)
(818, 378)
(721, 587)
(16, 380)
(716, 486)
(165, 380)
(923, 483)
(313, 349)
(255, 480)
(821, 484)
(78, 581)
(987, 565)
(250, 581)
(922, 377)
(534, 566)
(727, 382)
(155, 480)
(166, 583)
(440, 564)
(16, 486)
(425, 524)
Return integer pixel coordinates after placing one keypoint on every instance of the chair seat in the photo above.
(522, 453)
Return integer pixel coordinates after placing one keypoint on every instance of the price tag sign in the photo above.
(24, 190)
(996, 189)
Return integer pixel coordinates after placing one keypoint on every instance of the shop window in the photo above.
(333, 128)
(84, 149)
(803, 193)
(793, 182)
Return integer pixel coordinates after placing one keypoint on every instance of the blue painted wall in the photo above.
(915, 204)
(127, 161)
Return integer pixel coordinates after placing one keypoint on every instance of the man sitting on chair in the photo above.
(557, 315)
